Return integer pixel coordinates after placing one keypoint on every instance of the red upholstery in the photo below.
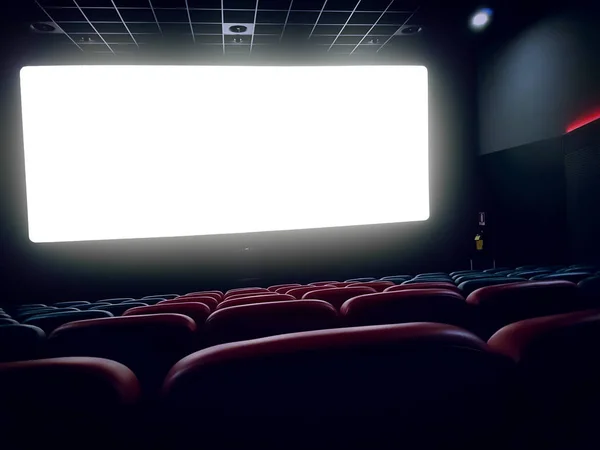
(279, 286)
(425, 285)
(321, 283)
(516, 339)
(267, 319)
(500, 305)
(337, 296)
(285, 289)
(559, 367)
(149, 345)
(379, 286)
(216, 295)
(407, 373)
(271, 297)
(83, 381)
(211, 302)
(341, 283)
(199, 312)
(418, 305)
(219, 294)
(298, 293)
(250, 290)
(250, 294)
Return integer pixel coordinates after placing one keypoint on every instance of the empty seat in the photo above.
(425, 285)
(4, 316)
(419, 305)
(496, 269)
(48, 400)
(428, 280)
(374, 383)
(117, 310)
(250, 294)
(20, 342)
(199, 312)
(379, 286)
(285, 289)
(114, 301)
(589, 291)
(74, 303)
(337, 284)
(278, 286)
(464, 278)
(148, 301)
(466, 287)
(218, 295)
(149, 345)
(249, 290)
(580, 268)
(30, 312)
(501, 305)
(323, 283)
(90, 306)
(359, 280)
(267, 319)
(397, 279)
(164, 296)
(337, 296)
(559, 368)
(432, 275)
(574, 277)
(529, 267)
(32, 305)
(5, 321)
(50, 322)
(271, 297)
(208, 301)
(528, 273)
(459, 273)
(298, 293)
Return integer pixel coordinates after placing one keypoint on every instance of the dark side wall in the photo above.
(532, 86)
(91, 270)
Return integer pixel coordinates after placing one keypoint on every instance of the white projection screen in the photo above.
(121, 152)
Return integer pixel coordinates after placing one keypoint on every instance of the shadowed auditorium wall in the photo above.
(533, 87)
(88, 270)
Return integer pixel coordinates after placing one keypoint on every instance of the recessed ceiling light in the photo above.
(43, 27)
(238, 28)
(481, 19)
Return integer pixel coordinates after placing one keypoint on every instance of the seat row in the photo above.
(395, 380)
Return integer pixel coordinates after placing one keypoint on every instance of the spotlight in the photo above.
(481, 19)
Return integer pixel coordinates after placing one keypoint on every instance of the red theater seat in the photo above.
(211, 302)
(379, 286)
(285, 289)
(252, 321)
(426, 285)
(279, 286)
(149, 345)
(337, 296)
(322, 283)
(382, 382)
(251, 294)
(198, 312)
(48, 400)
(270, 297)
(559, 367)
(298, 293)
(500, 305)
(419, 305)
(250, 290)
(217, 295)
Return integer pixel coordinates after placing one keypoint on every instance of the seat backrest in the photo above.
(397, 279)
(114, 301)
(298, 293)
(337, 296)
(218, 295)
(464, 278)
(574, 277)
(412, 374)
(528, 273)
(250, 294)
(323, 283)
(419, 305)
(466, 287)
(208, 301)
(198, 312)
(249, 290)
(30, 312)
(117, 310)
(73, 303)
(270, 297)
(258, 320)
(147, 301)
(8, 321)
(589, 291)
(360, 280)
(163, 296)
(49, 399)
(379, 286)
(50, 322)
(20, 342)
(497, 306)
(279, 286)
(425, 285)
(149, 345)
(428, 280)
(432, 275)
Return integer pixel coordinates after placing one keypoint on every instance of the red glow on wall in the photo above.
(584, 120)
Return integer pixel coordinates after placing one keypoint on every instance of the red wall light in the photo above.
(584, 120)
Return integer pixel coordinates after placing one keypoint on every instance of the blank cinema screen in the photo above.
(119, 152)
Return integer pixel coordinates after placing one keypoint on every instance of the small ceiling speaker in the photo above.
(408, 30)
(45, 28)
